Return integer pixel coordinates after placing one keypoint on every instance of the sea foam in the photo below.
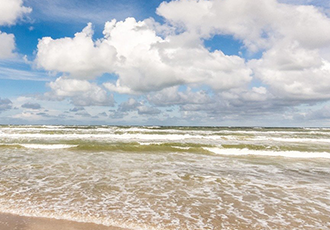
(47, 146)
(291, 154)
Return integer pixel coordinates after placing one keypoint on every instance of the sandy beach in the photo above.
(15, 222)
(164, 178)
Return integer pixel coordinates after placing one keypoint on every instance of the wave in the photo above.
(244, 152)
(195, 137)
(286, 142)
(47, 146)
(167, 130)
(298, 150)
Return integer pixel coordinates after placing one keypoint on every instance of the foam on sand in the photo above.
(10, 221)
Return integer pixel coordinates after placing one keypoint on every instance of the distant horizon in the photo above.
(169, 126)
(240, 63)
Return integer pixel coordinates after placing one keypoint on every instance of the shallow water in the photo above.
(168, 177)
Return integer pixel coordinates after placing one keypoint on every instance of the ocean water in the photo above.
(168, 177)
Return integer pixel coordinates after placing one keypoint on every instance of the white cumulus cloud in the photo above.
(259, 23)
(7, 45)
(292, 42)
(151, 63)
(294, 72)
(81, 92)
(80, 56)
(11, 11)
(294, 39)
(142, 60)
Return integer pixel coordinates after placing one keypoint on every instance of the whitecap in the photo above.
(291, 154)
(47, 146)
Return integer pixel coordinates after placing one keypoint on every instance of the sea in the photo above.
(161, 178)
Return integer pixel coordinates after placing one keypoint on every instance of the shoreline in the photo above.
(11, 221)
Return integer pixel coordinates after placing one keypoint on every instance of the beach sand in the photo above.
(15, 222)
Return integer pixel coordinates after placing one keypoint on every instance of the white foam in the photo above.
(179, 147)
(292, 140)
(150, 135)
(145, 143)
(110, 136)
(291, 154)
(45, 146)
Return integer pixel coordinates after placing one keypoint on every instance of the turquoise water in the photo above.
(168, 177)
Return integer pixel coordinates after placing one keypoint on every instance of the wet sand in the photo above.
(15, 222)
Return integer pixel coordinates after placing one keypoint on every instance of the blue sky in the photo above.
(183, 62)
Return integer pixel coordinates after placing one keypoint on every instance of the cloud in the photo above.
(79, 56)
(151, 63)
(294, 39)
(156, 61)
(132, 105)
(103, 114)
(142, 60)
(43, 114)
(133, 50)
(81, 92)
(293, 72)
(31, 106)
(5, 104)
(11, 11)
(319, 114)
(259, 24)
(147, 110)
(255, 101)
(7, 45)
(188, 15)
(76, 109)
(172, 96)
(129, 105)
(84, 114)
(228, 105)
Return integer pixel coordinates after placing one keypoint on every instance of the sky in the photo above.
(153, 62)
